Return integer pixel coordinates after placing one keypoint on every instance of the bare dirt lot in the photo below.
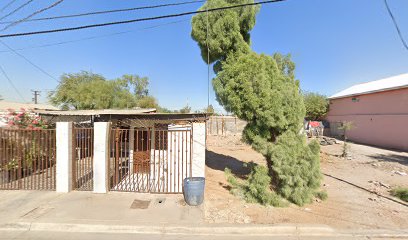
(348, 206)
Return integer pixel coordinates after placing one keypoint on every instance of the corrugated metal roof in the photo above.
(4, 105)
(97, 112)
(396, 82)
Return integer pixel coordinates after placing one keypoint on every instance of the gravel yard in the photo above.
(348, 206)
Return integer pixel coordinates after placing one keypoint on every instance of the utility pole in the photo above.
(36, 94)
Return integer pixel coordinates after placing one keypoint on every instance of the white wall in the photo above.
(64, 156)
(101, 157)
(199, 138)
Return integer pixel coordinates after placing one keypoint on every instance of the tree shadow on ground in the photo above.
(391, 158)
(219, 162)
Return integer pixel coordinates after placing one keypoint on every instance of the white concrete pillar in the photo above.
(131, 147)
(65, 156)
(101, 157)
(199, 136)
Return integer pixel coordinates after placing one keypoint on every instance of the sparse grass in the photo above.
(401, 193)
(322, 195)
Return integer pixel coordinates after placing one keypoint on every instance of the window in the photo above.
(161, 136)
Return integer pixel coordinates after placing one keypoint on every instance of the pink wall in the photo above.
(379, 119)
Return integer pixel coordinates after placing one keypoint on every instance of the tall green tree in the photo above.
(263, 91)
(139, 84)
(85, 90)
(316, 105)
(226, 31)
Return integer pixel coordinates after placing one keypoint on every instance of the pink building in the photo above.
(378, 111)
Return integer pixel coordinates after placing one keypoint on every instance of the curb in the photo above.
(207, 230)
(251, 230)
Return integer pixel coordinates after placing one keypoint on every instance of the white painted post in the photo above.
(64, 156)
(131, 147)
(101, 157)
(198, 168)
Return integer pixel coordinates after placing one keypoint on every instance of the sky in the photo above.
(334, 43)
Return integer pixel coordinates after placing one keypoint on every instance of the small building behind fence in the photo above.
(107, 150)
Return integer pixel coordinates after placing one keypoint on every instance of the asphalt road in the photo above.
(36, 235)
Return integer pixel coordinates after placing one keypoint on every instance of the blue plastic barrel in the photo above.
(194, 190)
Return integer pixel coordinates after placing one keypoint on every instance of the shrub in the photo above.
(401, 193)
(346, 126)
(322, 195)
(24, 119)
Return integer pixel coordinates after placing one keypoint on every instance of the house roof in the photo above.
(126, 115)
(391, 83)
(4, 105)
(97, 112)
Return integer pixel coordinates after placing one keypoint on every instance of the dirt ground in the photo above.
(347, 206)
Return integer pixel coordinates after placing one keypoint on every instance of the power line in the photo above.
(28, 60)
(137, 20)
(396, 25)
(95, 37)
(33, 14)
(12, 84)
(7, 5)
(16, 10)
(110, 11)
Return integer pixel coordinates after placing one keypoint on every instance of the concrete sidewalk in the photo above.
(85, 207)
(113, 213)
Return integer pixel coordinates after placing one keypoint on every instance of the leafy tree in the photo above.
(186, 109)
(163, 110)
(316, 105)
(257, 187)
(140, 84)
(228, 31)
(209, 109)
(1, 98)
(85, 90)
(263, 91)
(296, 167)
(147, 102)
